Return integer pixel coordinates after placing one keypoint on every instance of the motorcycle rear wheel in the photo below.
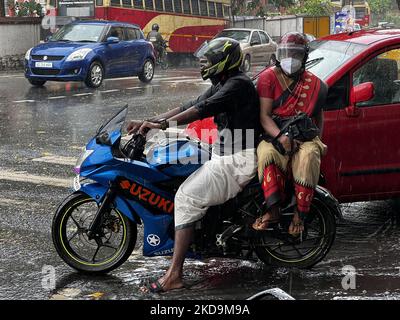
(287, 251)
(71, 222)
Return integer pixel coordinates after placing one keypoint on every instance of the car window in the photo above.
(139, 34)
(79, 32)
(383, 71)
(239, 35)
(264, 38)
(338, 94)
(329, 55)
(130, 34)
(117, 32)
(255, 38)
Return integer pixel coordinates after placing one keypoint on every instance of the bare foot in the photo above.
(296, 226)
(263, 222)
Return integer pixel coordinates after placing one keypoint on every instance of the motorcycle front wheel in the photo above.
(279, 248)
(106, 251)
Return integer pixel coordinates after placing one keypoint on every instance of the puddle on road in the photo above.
(366, 240)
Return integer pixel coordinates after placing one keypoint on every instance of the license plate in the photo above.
(43, 64)
(77, 184)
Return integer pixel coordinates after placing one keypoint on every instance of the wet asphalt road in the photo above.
(42, 131)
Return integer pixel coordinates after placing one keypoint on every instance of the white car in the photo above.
(258, 47)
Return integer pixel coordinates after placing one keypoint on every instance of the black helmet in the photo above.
(222, 54)
(155, 27)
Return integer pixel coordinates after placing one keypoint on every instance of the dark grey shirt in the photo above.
(235, 107)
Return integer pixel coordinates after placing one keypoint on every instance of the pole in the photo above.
(2, 11)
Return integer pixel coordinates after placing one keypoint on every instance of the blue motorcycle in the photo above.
(120, 185)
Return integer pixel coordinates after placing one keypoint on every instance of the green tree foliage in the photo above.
(315, 8)
(380, 7)
(237, 7)
(312, 8)
(255, 7)
(283, 3)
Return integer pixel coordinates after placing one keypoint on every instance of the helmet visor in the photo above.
(213, 50)
(296, 52)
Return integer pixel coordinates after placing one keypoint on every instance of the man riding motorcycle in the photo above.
(234, 103)
(155, 37)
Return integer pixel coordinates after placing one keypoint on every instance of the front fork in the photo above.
(95, 226)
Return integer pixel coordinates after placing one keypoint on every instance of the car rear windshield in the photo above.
(330, 55)
(239, 35)
(79, 33)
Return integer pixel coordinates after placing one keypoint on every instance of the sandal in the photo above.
(262, 225)
(157, 287)
(298, 223)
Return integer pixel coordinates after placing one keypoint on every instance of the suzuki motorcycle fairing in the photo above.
(141, 200)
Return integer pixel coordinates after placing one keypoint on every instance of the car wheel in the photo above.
(147, 73)
(95, 75)
(37, 83)
(246, 64)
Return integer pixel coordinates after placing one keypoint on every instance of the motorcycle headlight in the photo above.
(84, 155)
(28, 54)
(79, 54)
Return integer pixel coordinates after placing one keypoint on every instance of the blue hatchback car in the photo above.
(91, 51)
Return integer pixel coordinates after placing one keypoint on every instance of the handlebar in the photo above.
(134, 148)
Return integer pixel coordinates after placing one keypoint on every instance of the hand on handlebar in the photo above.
(134, 126)
(147, 126)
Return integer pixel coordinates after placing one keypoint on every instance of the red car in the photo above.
(362, 113)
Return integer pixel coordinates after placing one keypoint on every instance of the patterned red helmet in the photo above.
(294, 38)
(292, 45)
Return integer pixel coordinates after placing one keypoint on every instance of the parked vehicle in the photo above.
(257, 46)
(95, 229)
(362, 113)
(91, 51)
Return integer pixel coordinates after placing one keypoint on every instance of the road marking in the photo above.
(82, 94)
(24, 101)
(147, 87)
(58, 97)
(12, 76)
(124, 78)
(69, 161)
(175, 78)
(108, 91)
(191, 80)
(11, 202)
(131, 88)
(23, 176)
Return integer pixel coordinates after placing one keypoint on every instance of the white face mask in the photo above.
(290, 66)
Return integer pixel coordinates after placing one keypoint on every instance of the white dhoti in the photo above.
(217, 181)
